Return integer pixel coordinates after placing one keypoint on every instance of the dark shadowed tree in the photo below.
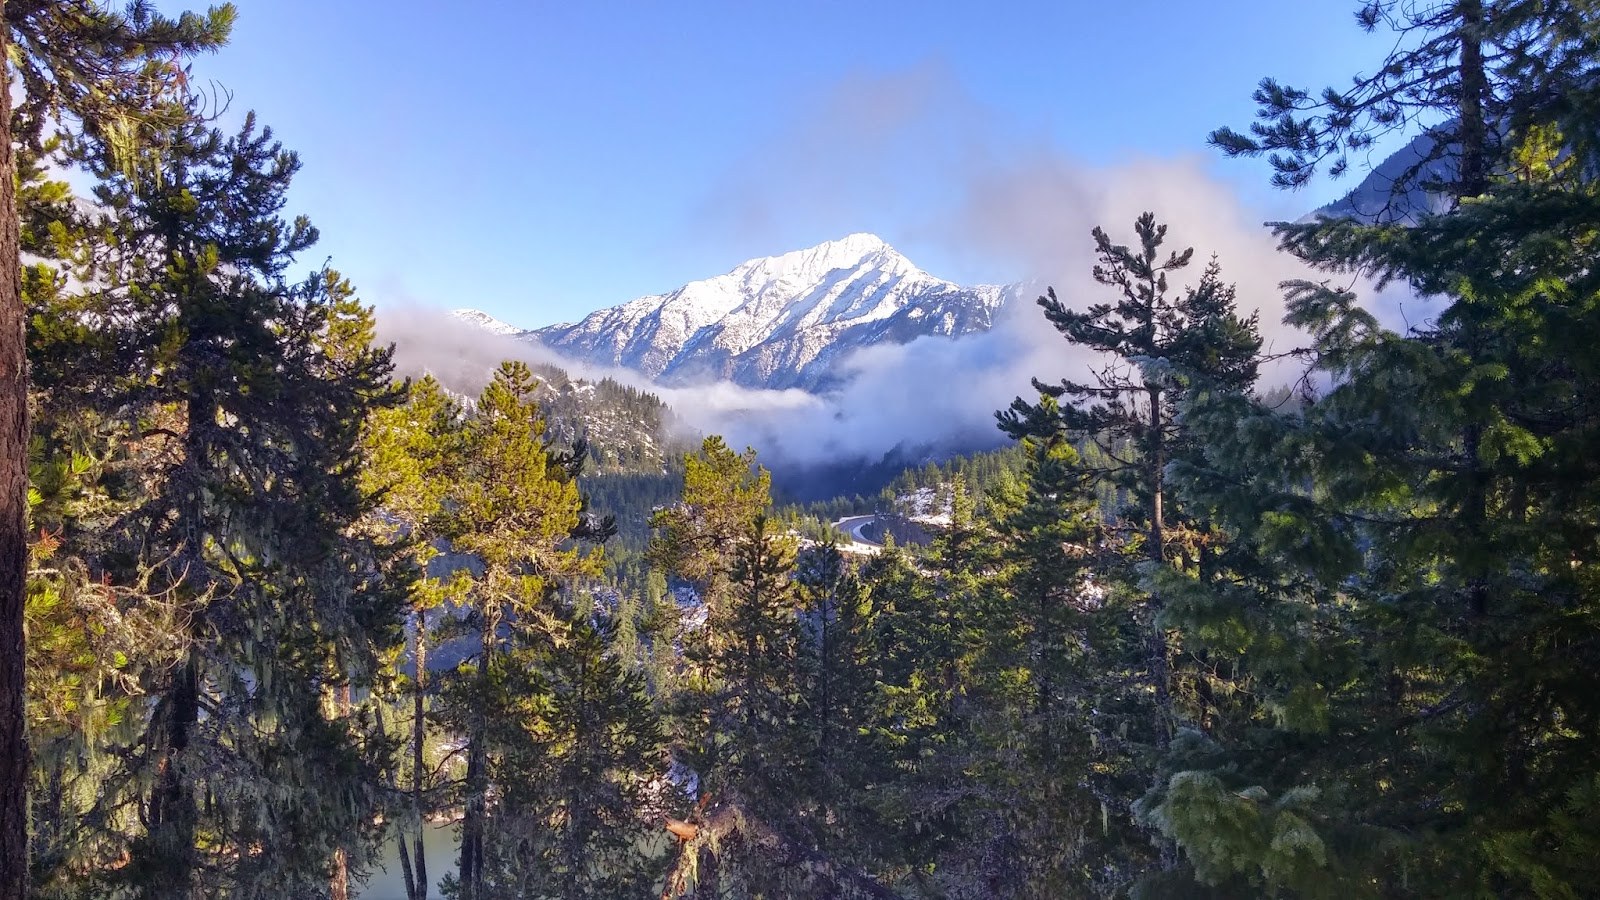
(1408, 596)
(234, 398)
(76, 61)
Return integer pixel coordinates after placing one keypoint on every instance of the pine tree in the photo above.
(742, 658)
(70, 60)
(918, 649)
(563, 750)
(586, 781)
(837, 688)
(753, 658)
(80, 639)
(415, 458)
(696, 540)
(366, 579)
(233, 400)
(1048, 770)
(1494, 68)
(516, 511)
(1405, 600)
(723, 492)
(744, 729)
(879, 746)
(1158, 343)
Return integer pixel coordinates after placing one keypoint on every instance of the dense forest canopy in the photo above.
(1186, 635)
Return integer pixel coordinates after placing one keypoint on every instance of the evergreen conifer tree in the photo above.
(754, 660)
(415, 458)
(1038, 674)
(516, 510)
(71, 61)
(837, 688)
(696, 540)
(1158, 342)
(1393, 606)
(923, 642)
(235, 398)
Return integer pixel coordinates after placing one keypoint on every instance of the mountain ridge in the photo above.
(772, 322)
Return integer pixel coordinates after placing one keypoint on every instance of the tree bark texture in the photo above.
(14, 763)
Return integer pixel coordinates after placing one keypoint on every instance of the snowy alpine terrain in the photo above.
(775, 322)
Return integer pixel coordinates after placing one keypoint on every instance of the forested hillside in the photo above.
(283, 616)
(626, 429)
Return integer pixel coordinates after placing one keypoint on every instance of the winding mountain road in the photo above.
(853, 525)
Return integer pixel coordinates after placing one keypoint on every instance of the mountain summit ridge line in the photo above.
(773, 322)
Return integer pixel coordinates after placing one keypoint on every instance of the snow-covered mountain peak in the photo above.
(779, 321)
(812, 263)
(485, 321)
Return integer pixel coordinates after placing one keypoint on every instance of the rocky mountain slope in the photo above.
(775, 322)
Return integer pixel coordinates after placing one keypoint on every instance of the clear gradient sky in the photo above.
(539, 160)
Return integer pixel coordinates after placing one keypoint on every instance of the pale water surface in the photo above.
(389, 883)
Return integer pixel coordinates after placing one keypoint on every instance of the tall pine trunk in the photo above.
(172, 807)
(472, 824)
(173, 812)
(1473, 181)
(1158, 477)
(1158, 554)
(339, 879)
(472, 821)
(13, 516)
(417, 871)
(405, 869)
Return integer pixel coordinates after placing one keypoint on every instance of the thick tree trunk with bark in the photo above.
(14, 762)
(173, 812)
(339, 879)
(1158, 478)
(172, 808)
(472, 822)
(405, 869)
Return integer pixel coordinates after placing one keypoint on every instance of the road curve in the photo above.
(852, 526)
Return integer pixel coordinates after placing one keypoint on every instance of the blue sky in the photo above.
(540, 160)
